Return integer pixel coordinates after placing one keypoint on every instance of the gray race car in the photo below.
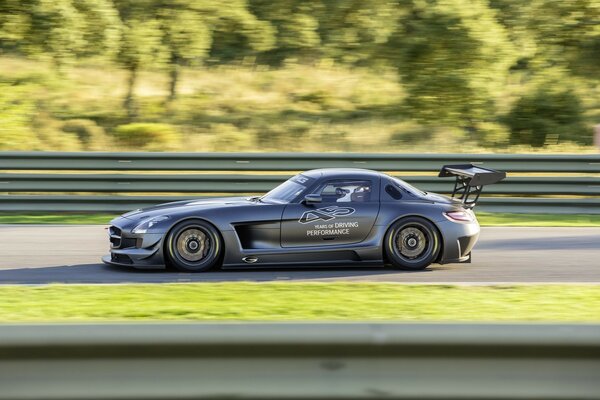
(322, 216)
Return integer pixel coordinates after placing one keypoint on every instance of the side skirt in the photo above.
(311, 264)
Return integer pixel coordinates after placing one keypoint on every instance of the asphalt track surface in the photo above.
(37, 254)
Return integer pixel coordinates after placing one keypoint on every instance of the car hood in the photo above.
(185, 206)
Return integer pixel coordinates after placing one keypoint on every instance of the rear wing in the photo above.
(470, 180)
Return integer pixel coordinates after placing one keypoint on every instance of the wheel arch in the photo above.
(435, 225)
(189, 218)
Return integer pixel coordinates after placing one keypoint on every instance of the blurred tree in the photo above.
(54, 29)
(239, 33)
(89, 134)
(173, 33)
(186, 37)
(550, 33)
(148, 136)
(14, 23)
(515, 15)
(452, 55)
(559, 52)
(17, 110)
(352, 31)
(60, 30)
(345, 31)
(140, 43)
(550, 110)
(102, 28)
(453, 58)
(140, 46)
(297, 26)
(568, 33)
(188, 27)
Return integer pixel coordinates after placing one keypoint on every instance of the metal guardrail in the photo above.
(120, 173)
(300, 361)
(115, 204)
(290, 161)
(261, 183)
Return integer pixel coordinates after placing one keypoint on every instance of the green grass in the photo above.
(485, 219)
(56, 218)
(300, 301)
(507, 219)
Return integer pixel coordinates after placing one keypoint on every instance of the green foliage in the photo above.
(56, 30)
(453, 58)
(297, 108)
(346, 31)
(466, 70)
(14, 23)
(295, 27)
(229, 138)
(567, 33)
(148, 136)
(141, 44)
(102, 27)
(60, 30)
(17, 110)
(491, 134)
(550, 111)
(188, 31)
(49, 132)
(553, 33)
(238, 32)
(90, 135)
(185, 34)
(180, 32)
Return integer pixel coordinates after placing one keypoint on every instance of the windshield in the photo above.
(408, 187)
(288, 190)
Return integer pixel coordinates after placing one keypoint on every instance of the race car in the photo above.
(319, 217)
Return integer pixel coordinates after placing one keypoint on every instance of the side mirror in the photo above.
(312, 199)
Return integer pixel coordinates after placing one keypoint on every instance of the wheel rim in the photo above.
(413, 243)
(193, 244)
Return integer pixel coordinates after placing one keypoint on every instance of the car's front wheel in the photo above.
(412, 243)
(194, 246)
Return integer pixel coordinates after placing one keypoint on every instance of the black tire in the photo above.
(412, 243)
(193, 246)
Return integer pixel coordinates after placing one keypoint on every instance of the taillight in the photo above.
(459, 216)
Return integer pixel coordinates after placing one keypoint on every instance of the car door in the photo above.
(345, 215)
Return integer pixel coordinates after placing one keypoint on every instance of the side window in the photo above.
(346, 191)
(393, 192)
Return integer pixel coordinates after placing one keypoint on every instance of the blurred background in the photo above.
(328, 75)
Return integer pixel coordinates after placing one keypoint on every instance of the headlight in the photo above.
(146, 224)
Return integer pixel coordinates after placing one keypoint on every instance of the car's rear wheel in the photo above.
(194, 246)
(412, 243)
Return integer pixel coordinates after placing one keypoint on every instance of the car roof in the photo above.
(342, 173)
